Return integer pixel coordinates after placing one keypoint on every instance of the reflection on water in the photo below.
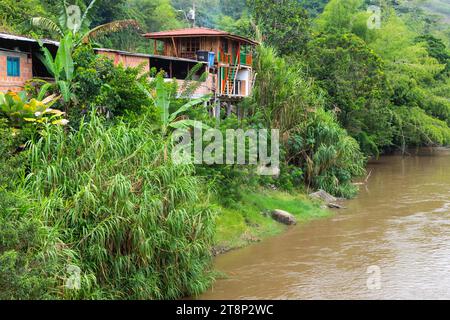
(400, 222)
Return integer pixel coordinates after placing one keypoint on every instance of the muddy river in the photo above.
(391, 242)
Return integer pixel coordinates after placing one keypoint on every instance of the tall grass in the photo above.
(282, 93)
(131, 220)
(312, 138)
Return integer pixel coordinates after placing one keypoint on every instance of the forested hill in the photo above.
(439, 7)
(231, 15)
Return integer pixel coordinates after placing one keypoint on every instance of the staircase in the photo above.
(228, 84)
(230, 80)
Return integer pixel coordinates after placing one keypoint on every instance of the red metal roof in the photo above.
(196, 32)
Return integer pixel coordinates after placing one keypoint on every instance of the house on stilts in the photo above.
(225, 58)
(229, 58)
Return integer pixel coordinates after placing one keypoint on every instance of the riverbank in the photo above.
(398, 222)
(248, 221)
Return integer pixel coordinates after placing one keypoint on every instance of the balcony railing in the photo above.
(244, 58)
(224, 58)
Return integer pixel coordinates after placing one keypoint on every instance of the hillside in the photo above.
(438, 7)
(441, 7)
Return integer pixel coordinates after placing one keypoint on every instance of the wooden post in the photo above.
(175, 47)
(217, 110)
(229, 108)
(239, 112)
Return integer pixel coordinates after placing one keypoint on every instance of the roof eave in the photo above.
(230, 36)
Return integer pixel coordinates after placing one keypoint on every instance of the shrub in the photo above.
(129, 218)
(20, 110)
(329, 157)
(101, 84)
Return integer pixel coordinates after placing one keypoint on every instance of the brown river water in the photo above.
(391, 242)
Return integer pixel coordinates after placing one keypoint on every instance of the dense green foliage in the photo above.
(314, 140)
(111, 205)
(114, 90)
(353, 76)
(102, 194)
(284, 24)
(329, 157)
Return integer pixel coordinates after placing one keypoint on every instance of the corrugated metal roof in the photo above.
(187, 32)
(56, 43)
(196, 32)
(22, 38)
(13, 51)
(144, 55)
(134, 54)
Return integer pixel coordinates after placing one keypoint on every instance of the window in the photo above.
(224, 44)
(13, 66)
(190, 46)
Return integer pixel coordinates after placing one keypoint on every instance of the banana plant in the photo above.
(61, 67)
(73, 29)
(162, 98)
(19, 109)
(71, 21)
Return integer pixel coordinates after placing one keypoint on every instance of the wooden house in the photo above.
(226, 58)
(175, 69)
(232, 57)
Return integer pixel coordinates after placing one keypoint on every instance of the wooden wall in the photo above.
(206, 43)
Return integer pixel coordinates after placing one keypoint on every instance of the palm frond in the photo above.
(86, 12)
(46, 24)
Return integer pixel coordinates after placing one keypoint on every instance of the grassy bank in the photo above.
(246, 222)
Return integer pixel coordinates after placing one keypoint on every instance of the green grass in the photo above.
(245, 223)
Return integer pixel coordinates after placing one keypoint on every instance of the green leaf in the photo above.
(162, 100)
(65, 90)
(187, 106)
(183, 124)
(43, 91)
(22, 95)
(64, 61)
(49, 63)
(144, 90)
